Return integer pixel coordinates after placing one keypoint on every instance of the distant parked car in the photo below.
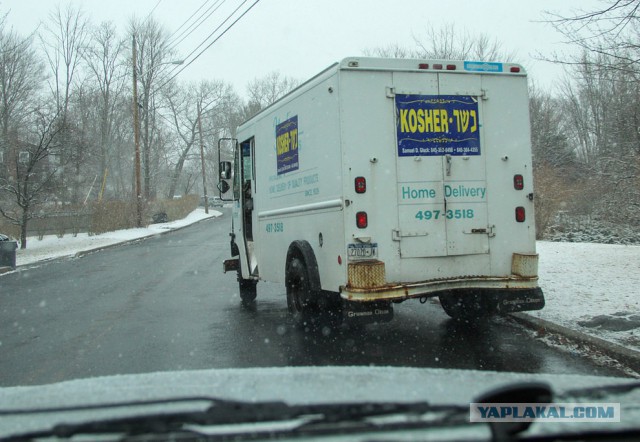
(160, 217)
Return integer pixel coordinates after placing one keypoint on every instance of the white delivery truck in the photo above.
(380, 180)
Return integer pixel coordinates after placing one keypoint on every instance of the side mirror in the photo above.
(225, 170)
(223, 187)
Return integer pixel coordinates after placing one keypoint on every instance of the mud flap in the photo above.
(515, 301)
(366, 312)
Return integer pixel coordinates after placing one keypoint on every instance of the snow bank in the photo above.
(51, 246)
(583, 281)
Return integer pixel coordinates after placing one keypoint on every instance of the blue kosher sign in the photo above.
(287, 145)
(432, 125)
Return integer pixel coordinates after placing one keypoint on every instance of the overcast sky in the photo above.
(299, 38)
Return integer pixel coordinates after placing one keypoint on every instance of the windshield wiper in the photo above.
(308, 418)
(305, 419)
(122, 404)
(604, 389)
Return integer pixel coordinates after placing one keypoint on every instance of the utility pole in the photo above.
(136, 134)
(204, 179)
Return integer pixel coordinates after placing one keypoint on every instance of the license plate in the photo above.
(362, 251)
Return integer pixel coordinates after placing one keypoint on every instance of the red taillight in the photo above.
(361, 184)
(520, 216)
(451, 67)
(518, 182)
(423, 66)
(514, 69)
(361, 220)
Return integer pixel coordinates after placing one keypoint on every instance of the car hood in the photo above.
(293, 385)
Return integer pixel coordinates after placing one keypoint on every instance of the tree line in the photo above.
(586, 137)
(66, 115)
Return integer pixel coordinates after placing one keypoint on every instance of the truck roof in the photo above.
(407, 65)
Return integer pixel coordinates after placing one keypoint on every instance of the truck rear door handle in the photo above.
(397, 235)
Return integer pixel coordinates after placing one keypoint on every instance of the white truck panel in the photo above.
(511, 139)
(285, 202)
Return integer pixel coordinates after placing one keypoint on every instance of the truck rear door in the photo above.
(442, 192)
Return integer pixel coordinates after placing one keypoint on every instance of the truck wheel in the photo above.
(299, 292)
(247, 290)
(464, 307)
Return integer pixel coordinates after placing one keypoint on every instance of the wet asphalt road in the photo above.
(164, 304)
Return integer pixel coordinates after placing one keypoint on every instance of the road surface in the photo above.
(164, 304)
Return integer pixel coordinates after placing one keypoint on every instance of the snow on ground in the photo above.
(592, 288)
(53, 247)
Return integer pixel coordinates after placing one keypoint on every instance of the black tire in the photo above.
(248, 290)
(468, 307)
(299, 293)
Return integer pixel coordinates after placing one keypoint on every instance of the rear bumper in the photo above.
(401, 292)
(367, 282)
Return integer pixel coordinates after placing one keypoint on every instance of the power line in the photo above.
(152, 10)
(184, 66)
(187, 20)
(195, 25)
(212, 33)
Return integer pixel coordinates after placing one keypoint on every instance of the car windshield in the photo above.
(208, 205)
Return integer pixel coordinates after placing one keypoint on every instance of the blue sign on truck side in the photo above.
(287, 145)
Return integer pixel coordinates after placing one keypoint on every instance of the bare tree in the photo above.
(187, 105)
(20, 79)
(266, 90)
(391, 50)
(103, 58)
(555, 170)
(32, 172)
(448, 43)
(603, 102)
(549, 137)
(153, 58)
(587, 106)
(601, 107)
(610, 31)
(64, 41)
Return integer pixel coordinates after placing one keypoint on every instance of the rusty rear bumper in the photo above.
(399, 292)
(367, 282)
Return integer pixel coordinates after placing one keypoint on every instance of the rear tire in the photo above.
(299, 293)
(469, 307)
